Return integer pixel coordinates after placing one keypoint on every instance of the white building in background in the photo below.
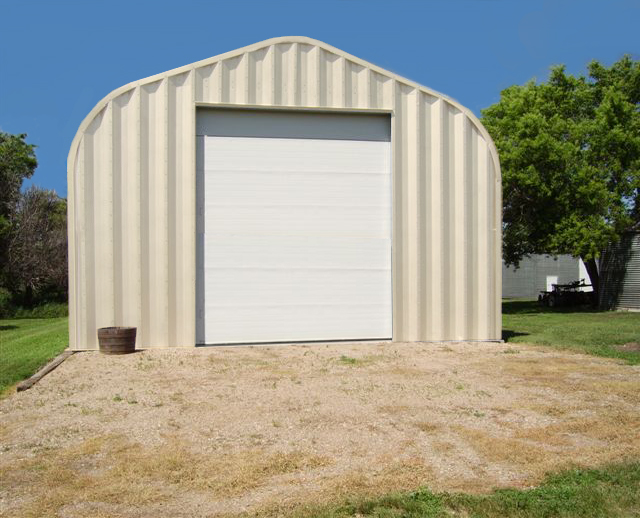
(539, 272)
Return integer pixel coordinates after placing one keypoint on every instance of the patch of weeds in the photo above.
(177, 397)
(476, 413)
(459, 386)
(365, 360)
(427, 427)
(117, 398)
(276, 424)
(132, 401)
(511, 351)
(555, 411)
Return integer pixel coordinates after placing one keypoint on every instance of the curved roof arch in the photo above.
(261, 45)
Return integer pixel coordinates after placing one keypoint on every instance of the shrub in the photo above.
(6, 303)
(48, 310)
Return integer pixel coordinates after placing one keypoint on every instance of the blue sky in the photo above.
(58, 58)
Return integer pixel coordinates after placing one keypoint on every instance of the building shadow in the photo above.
(508, 334)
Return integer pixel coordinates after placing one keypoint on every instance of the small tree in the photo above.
(570, 156)
(37, 251)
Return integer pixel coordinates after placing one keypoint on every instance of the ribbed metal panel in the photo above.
(531, 276)
(620, 274)
(131, 175)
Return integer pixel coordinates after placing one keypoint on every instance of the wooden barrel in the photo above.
(117, 340)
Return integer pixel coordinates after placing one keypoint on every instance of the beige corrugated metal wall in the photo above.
(131, 175)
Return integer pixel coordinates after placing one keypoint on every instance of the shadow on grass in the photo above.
(8, 327)
(531, 307)
(507, 334)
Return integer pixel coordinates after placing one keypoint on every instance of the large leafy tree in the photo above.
(570, 155)
(17, 162)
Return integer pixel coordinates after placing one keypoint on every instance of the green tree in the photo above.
(17, 162)
(570, 155)
(37, 246)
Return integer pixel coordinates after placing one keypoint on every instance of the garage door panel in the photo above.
(257, 287)
(290, 154)
(256, 123)
(322, 221)
(301, 323)
(246, 188)
(299, 252)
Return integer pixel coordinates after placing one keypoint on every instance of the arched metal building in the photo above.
(286, 191)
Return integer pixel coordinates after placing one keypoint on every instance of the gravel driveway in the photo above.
(224, 430)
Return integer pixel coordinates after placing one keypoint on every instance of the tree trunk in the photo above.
(592, 269)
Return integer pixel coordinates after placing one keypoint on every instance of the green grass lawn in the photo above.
(612, 491)
(582, 329)
(28, 344)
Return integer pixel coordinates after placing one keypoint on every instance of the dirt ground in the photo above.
(265, 430)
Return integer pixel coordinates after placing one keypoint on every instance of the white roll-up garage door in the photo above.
(294, 227)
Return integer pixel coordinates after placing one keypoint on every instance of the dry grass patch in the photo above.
(395, 409)
(392, 475)
(5, 430)
(572, 375)
(514, 452)
(428, 427)
(584, 440)
(555, 368)
(59, 478)
(113, 470)
(628, 390)
(225, 474)
(617, 431)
